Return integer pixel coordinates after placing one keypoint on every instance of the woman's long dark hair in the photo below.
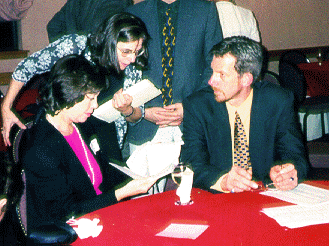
(122, 27)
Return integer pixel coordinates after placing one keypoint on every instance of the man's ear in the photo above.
(247, 79)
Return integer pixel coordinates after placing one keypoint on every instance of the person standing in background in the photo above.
(83, 16)
(236, 20)
(182, 34)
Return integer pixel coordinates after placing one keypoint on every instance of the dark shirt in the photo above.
(162, 8)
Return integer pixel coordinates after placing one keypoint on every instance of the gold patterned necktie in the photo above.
(241, 148)
(168, 44)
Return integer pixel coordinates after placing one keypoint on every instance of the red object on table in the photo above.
(233, 219)
(317, 78)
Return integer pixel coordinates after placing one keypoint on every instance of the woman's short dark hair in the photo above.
(122, 27)
(70, 79)
(248, 54)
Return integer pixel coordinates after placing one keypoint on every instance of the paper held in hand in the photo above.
(141, 92)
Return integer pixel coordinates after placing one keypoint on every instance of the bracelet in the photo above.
(128, 115)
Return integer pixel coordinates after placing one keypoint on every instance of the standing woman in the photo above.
(63, 177)
(119, 42)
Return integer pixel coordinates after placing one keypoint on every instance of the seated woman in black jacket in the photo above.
(63, 176)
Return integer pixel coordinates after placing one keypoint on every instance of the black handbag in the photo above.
(53, 233)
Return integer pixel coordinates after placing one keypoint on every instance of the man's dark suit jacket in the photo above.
(57, 184)
(275, 134)
(83, 16)
(198, 30)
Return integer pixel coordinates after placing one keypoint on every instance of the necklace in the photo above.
(83, 146)
(86, 154)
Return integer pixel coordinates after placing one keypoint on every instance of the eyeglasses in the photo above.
(90, 97)
(127, 52)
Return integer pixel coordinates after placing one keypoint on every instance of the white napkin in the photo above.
(86, 227)
(152, 158)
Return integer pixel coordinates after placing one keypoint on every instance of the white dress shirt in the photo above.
(237, 21)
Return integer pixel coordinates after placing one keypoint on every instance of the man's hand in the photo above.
(238, 180)
(171, 115)
(284, 176)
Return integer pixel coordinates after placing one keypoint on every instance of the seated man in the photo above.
(272, 151)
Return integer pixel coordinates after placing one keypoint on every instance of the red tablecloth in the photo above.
(233, 219)
(317, 78)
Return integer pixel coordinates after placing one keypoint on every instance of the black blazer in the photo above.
(58, 187)
(275, 134)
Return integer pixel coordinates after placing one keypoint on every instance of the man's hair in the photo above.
(70, 79)
(122, 27)
(248, 54)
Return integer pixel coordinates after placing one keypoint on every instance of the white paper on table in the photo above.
(303, 194)
(296, 216)
(188, 231)
(141, 93)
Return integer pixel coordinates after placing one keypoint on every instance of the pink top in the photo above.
(75, 143)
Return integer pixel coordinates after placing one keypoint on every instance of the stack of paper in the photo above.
(298, 216)
(303, 194)
(312, 206)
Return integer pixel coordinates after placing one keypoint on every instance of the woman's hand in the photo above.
(122, 103)
(135, 187)
(8, 120)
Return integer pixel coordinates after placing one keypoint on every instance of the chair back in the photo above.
(294, 57)
(271, 77)
(292, 78)
(21, 207)
(17, 142)
(326, 54)
(17, 139)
